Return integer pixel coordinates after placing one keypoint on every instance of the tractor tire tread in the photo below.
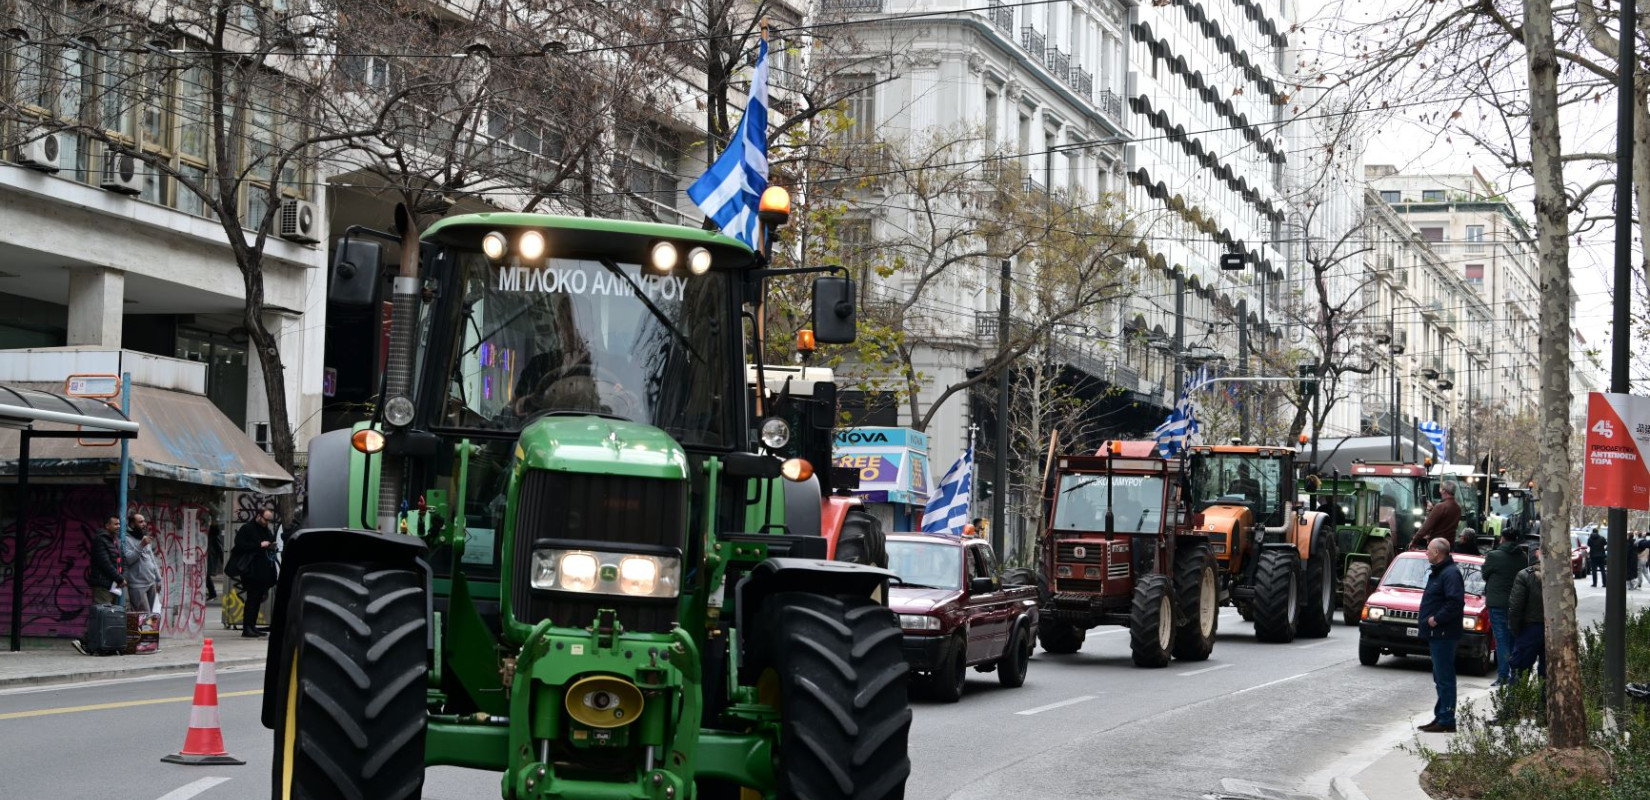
(1189, 642)
(1145, 619)
(1354, 592)
(1275, 621)
(1318, 582)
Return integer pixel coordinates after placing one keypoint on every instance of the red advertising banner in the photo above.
(1618, 438)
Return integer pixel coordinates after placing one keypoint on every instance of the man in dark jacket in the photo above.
(1501, 566)
(1597, 545)
(254, 560)
(1442, 606)
(1442, 519)
(1525, 615)
(105, 574)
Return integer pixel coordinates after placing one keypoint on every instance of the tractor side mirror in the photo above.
(834, 317)
(981, 586)
(354, 273)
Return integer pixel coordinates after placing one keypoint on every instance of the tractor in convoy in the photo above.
(1121, 548)
(1364, 545)
(1277, 559)
(561, 552)
(1404, 491)
(1471, 486)
(1510, 506)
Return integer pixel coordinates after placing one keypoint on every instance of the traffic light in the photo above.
(985, 489)
(1309, 380)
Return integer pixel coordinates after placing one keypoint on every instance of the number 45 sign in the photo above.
(1618, 438)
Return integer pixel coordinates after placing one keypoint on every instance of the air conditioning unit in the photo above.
(41, 153)
(120, 173)
(298, 221)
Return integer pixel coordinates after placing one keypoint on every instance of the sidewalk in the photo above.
(1396, 773)
(57, 662)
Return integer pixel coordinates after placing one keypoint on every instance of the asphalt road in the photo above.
(1284, 717)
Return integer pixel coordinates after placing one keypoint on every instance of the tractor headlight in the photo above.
(776, 433)
(1374, 613)
(398, 411)
(919, 622)
(598, 572)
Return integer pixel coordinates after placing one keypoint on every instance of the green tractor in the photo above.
(559, 551)
(1365, 545)
(1509, 506)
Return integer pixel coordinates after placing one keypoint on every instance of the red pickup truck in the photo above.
(957, 613)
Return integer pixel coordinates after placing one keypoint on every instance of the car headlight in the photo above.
(1374, 613)
(598, 572)
(919, 622)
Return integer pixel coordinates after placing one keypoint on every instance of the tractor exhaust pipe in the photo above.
(399, 365)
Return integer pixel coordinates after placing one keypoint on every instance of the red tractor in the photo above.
(1121, 548)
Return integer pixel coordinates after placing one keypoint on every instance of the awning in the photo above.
(185, 438)
(892, 463)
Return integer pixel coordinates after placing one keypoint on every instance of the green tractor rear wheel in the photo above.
(843, 713)
(1354, 592)
(353, 671)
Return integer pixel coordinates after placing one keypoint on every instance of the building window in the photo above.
(650, 173)
(854, 247)
(1432, 195)
(1432, 234)
(992, 121)
(1392, 197)
(861, 107)
(1475, 274)
(1475, 238)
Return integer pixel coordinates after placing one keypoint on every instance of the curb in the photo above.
(1344, 788)
(113, 674)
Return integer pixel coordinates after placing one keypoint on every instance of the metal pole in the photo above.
(1179, 336)
(19, 566)
(999, 496)
(1243, 366)
(1615, 590)
(1391, 349)
(125, 466)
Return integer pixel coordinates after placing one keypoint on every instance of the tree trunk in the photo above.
(1565, 710)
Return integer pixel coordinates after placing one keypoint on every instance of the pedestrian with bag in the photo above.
(1598, 552)
(142, 568)
(104, 579)
(1443, 604)
(253, 563)
(1501, 568)
(1525, 615)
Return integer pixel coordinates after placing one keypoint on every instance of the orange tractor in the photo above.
(1276, 555)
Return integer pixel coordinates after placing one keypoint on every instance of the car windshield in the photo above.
(1239, 478)
(579, 336)
(1136, 503)
(1413, 573)
(926, 565)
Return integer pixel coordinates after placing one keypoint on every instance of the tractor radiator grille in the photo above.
(1093, 553)
(608, 512)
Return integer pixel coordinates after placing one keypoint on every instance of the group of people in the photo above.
(128, 567)
(1512, 594)
(1598, 556)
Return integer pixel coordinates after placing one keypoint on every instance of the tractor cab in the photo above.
(1509, 506)
(1403, 486)
(1471, 490)
(1232, 479)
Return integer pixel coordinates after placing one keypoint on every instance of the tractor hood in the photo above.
(599, 445)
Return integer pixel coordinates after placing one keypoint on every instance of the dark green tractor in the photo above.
(558, 551)
(1366, 547)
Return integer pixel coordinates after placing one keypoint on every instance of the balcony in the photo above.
(1033, 42)
(1432, 311)
(1110, 103)
(1003, 17)
(854, 6)
(1082, 82)
(1058, 62)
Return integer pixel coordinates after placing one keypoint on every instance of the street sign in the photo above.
(1618, 437)
(92, 386)
(1231, 261)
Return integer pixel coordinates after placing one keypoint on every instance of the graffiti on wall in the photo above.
(57, 554)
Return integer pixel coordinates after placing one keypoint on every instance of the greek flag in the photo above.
(1435, 434)
(1176, 432)
(730, 190)
(947, 512)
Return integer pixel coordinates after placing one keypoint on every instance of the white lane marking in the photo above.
(1271, 683)
(1314, 644)
(1110, 632)
(68, 685)
(190, 790)
(1205, 669)
(1051, 706)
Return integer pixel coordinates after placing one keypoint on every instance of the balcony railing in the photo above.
(1082, 82)
(1033, 42)
(854, 6)
(1003, 17)
(1110, 104)
(1058, 62)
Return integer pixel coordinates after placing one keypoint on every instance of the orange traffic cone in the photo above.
(204, 742)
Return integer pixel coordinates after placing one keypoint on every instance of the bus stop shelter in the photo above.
(24, 410)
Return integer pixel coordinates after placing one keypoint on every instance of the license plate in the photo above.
(1412, 631)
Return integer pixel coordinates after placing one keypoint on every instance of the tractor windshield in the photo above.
(592, 337)
(1136, 503)
(926, 565)
(1242, 479)
(1509, 505)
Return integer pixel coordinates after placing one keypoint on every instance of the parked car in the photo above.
(1392, 616)
(956, 613)
(1581, 563)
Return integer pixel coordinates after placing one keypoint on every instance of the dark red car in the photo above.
(1580, 564)
(1392, 616)
(957, 613)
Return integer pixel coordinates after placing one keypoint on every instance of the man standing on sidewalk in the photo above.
(104, 576)
(1525, 615)
(142, 569)
(1442, 605)
(1597, 545)
(254, 559)
(1501, 566)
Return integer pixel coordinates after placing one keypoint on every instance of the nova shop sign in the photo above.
(883, 438)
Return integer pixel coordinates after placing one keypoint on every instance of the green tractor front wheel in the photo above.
(352, 714)
(1354, 592)
(843, 712)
